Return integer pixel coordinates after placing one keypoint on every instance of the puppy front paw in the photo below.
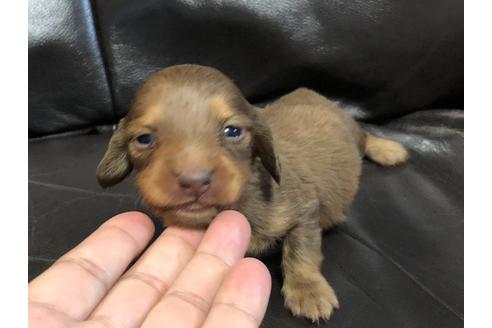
(312, 298)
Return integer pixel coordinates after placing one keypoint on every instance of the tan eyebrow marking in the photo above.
(219, 107)
(152, 116)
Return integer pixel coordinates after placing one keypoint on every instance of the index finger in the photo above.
(76, 282)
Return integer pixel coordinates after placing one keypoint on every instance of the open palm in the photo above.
(186, 278)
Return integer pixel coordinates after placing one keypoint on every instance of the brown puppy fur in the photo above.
(292, 172)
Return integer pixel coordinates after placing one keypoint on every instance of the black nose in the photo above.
(195, 183)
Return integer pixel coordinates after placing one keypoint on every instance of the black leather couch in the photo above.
(396, 65)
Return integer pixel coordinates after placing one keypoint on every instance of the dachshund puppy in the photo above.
(292, 168)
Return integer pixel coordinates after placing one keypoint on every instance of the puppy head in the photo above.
(192, 139)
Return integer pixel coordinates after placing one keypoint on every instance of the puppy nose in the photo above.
(195, 183)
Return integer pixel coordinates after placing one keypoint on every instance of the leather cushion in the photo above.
(385, 57)
(68, 88)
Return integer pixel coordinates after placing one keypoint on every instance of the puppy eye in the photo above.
(145, 139)
(233, 132)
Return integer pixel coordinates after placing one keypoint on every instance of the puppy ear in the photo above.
(115, 164)
(263, 148)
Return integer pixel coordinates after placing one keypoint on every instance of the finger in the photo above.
(76, 282)
(242, 298)
(188, 301)
(128, 303)
(40, 316)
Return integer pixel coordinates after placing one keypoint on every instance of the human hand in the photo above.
(186, 278)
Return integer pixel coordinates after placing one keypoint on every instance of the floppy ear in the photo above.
(263, 147)
(115, 164)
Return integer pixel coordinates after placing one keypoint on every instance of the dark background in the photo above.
(396, 65)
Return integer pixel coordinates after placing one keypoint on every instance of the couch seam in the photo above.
(104, 58)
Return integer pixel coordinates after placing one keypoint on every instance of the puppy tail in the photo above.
(384, 152)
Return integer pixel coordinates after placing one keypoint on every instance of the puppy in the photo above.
(292, 168)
